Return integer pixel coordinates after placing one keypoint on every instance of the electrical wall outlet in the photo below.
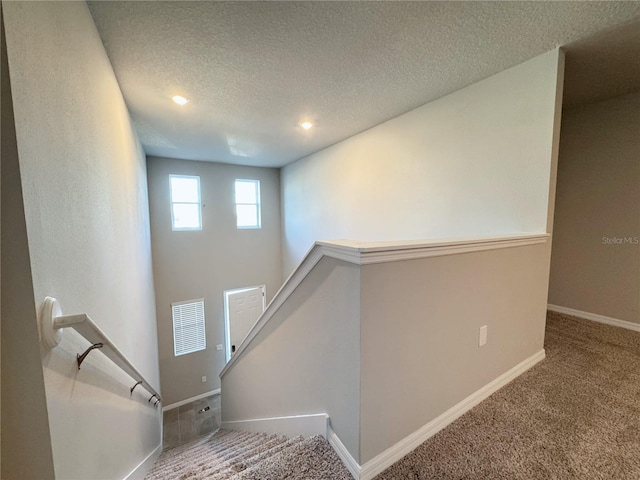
(482, 339)
(219, 346)
(204, 379)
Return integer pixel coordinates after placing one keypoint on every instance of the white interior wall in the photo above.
(476, 162)
(86, 210)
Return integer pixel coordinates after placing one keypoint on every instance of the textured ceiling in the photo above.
(603, 66)
(254, 70)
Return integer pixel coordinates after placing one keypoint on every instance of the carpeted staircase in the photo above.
(231, 455)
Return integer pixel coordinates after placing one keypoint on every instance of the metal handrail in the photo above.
(52, 322)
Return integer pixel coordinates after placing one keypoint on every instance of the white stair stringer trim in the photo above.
(367, 253)
(595, 317)
(295, 279)
(387, 458)
(145, 465)
(305, 425)
(343, 454)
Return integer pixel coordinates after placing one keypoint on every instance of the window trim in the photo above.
(172, 203)
(258, 204)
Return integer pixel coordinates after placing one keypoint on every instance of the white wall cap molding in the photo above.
(595, 317)
(366, 253)
(292, 426)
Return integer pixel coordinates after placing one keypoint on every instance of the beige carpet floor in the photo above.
(576, 415)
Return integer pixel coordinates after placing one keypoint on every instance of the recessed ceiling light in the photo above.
(180, 100)
(306, 125)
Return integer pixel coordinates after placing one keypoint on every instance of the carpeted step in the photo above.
(236, 459)
(231, 455)
(180, 462)
(273, 448)
(310, 459)
(219, 456)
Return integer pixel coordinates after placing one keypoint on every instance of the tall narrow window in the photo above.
(188, 327)
(185, 202)
(248, 203)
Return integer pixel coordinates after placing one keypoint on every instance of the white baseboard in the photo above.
(387, 458)
(305, 425)
(308, 425)
(344, 455)
(145, 465)
(192, 399)
(595, 317)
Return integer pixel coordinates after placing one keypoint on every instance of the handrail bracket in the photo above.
(134, 387)
(87, 352)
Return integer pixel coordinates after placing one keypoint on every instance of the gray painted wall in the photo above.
(383, 349)
(476, 162)
(310, 361)
(420, 328)
(86, 212)
(598, 195)
(202, 264)
(5, 79)
(7, 118)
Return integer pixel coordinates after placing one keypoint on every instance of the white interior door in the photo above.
(243, 307)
